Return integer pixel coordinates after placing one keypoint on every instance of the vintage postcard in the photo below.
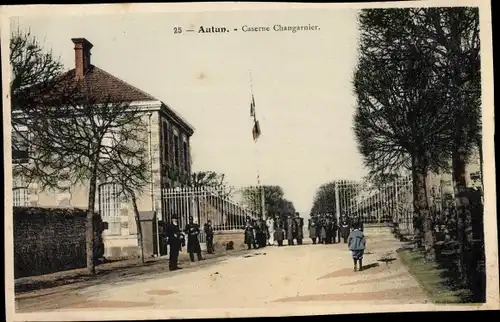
(248, 159)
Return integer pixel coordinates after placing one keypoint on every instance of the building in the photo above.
(170, 152)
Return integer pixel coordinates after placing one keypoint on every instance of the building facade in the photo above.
(170, 160)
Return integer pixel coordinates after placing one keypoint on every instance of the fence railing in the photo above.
(390, 202)
(225, 208)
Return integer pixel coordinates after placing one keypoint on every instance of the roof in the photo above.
(100, 87)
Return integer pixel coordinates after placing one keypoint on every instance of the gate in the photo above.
(225, 208)
(390, 202)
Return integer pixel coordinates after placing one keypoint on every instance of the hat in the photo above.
(174, 217)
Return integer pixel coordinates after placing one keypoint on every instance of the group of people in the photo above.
(176, 239)
(274, 230)
(259, 233)
(325, 229)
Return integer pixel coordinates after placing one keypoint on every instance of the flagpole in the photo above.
(254, 114)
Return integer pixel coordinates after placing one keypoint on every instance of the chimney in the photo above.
(82, 56)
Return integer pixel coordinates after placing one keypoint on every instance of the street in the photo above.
(268, 277)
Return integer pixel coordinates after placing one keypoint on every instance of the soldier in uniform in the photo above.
(193, 244)
(299, 222)
(209, 232)
(328, 229)
(249, 234)
(261, 232)
(345, 228)
(290, 229)
(279, 231)
(312, 229)
(335, 227)
(175, 239)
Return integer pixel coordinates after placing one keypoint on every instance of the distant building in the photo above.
(171, 158)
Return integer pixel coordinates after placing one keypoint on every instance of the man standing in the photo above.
(261, 232)
(290, 229)
(193, 244)
(345, 228)
(300, 228)
(270, 227)
(249, 234)
(312, 229)
(175, 239)
(209, 232)
(279, 231)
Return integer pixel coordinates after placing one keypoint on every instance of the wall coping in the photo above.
(228, 231)
(119, 237)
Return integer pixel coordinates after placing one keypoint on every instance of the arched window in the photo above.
(109, 207)
(20, 196)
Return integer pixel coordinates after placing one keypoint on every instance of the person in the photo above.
(193, 244)
(357, 244)
(335, 227)
(328, 229)
(344, 228)
(209, 232)
(299, 222)
(322, 234)
(270, 227)
(261, 232)
(312, 229)
(279, 232)
(175, 239)
(290, 229)
(249, 234)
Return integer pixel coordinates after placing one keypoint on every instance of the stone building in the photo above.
(171, 159)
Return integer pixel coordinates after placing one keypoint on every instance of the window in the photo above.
(20, 197)
(165, 141)
(176, 151)
(186, 156)
(109, 207)
(20, 147)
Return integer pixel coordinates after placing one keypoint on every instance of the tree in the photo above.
(212, 180)
(77, 133)
(399, 121)
(325, 197)
(274, 201)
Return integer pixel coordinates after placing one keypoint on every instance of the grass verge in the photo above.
(439, 288)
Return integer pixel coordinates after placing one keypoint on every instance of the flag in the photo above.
(256, 130)
(252, 107)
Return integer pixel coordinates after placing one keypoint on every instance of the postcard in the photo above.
(204, 160)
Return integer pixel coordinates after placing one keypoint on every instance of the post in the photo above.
(153, 206)
(337, 201)
(263, 202)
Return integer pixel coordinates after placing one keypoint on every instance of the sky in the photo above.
(301, 83)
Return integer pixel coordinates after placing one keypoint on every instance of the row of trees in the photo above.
(325, 197)
(418, 88)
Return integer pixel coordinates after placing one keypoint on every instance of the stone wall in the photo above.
(50, 240)
(222, 238)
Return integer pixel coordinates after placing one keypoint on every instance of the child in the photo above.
(357, 243)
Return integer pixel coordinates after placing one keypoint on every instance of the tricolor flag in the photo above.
(252, 107)
(256, 130)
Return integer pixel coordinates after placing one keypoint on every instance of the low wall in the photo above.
(223, 237)
(48, 240)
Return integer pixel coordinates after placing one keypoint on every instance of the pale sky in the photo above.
(301, 83)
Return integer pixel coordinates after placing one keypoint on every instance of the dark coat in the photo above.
(299, 222)
(291, 228)
(249, 234)
(175, 238)
(193, 243)
(345, 227)
(312, 229)
(279, 233)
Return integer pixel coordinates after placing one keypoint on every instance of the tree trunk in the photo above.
(138, 223)
(89, 227)
(459, 180)
(421, 208)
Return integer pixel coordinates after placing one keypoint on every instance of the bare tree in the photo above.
(77, 134)
(213, 181)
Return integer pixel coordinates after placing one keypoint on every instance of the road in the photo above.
(263, 278)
